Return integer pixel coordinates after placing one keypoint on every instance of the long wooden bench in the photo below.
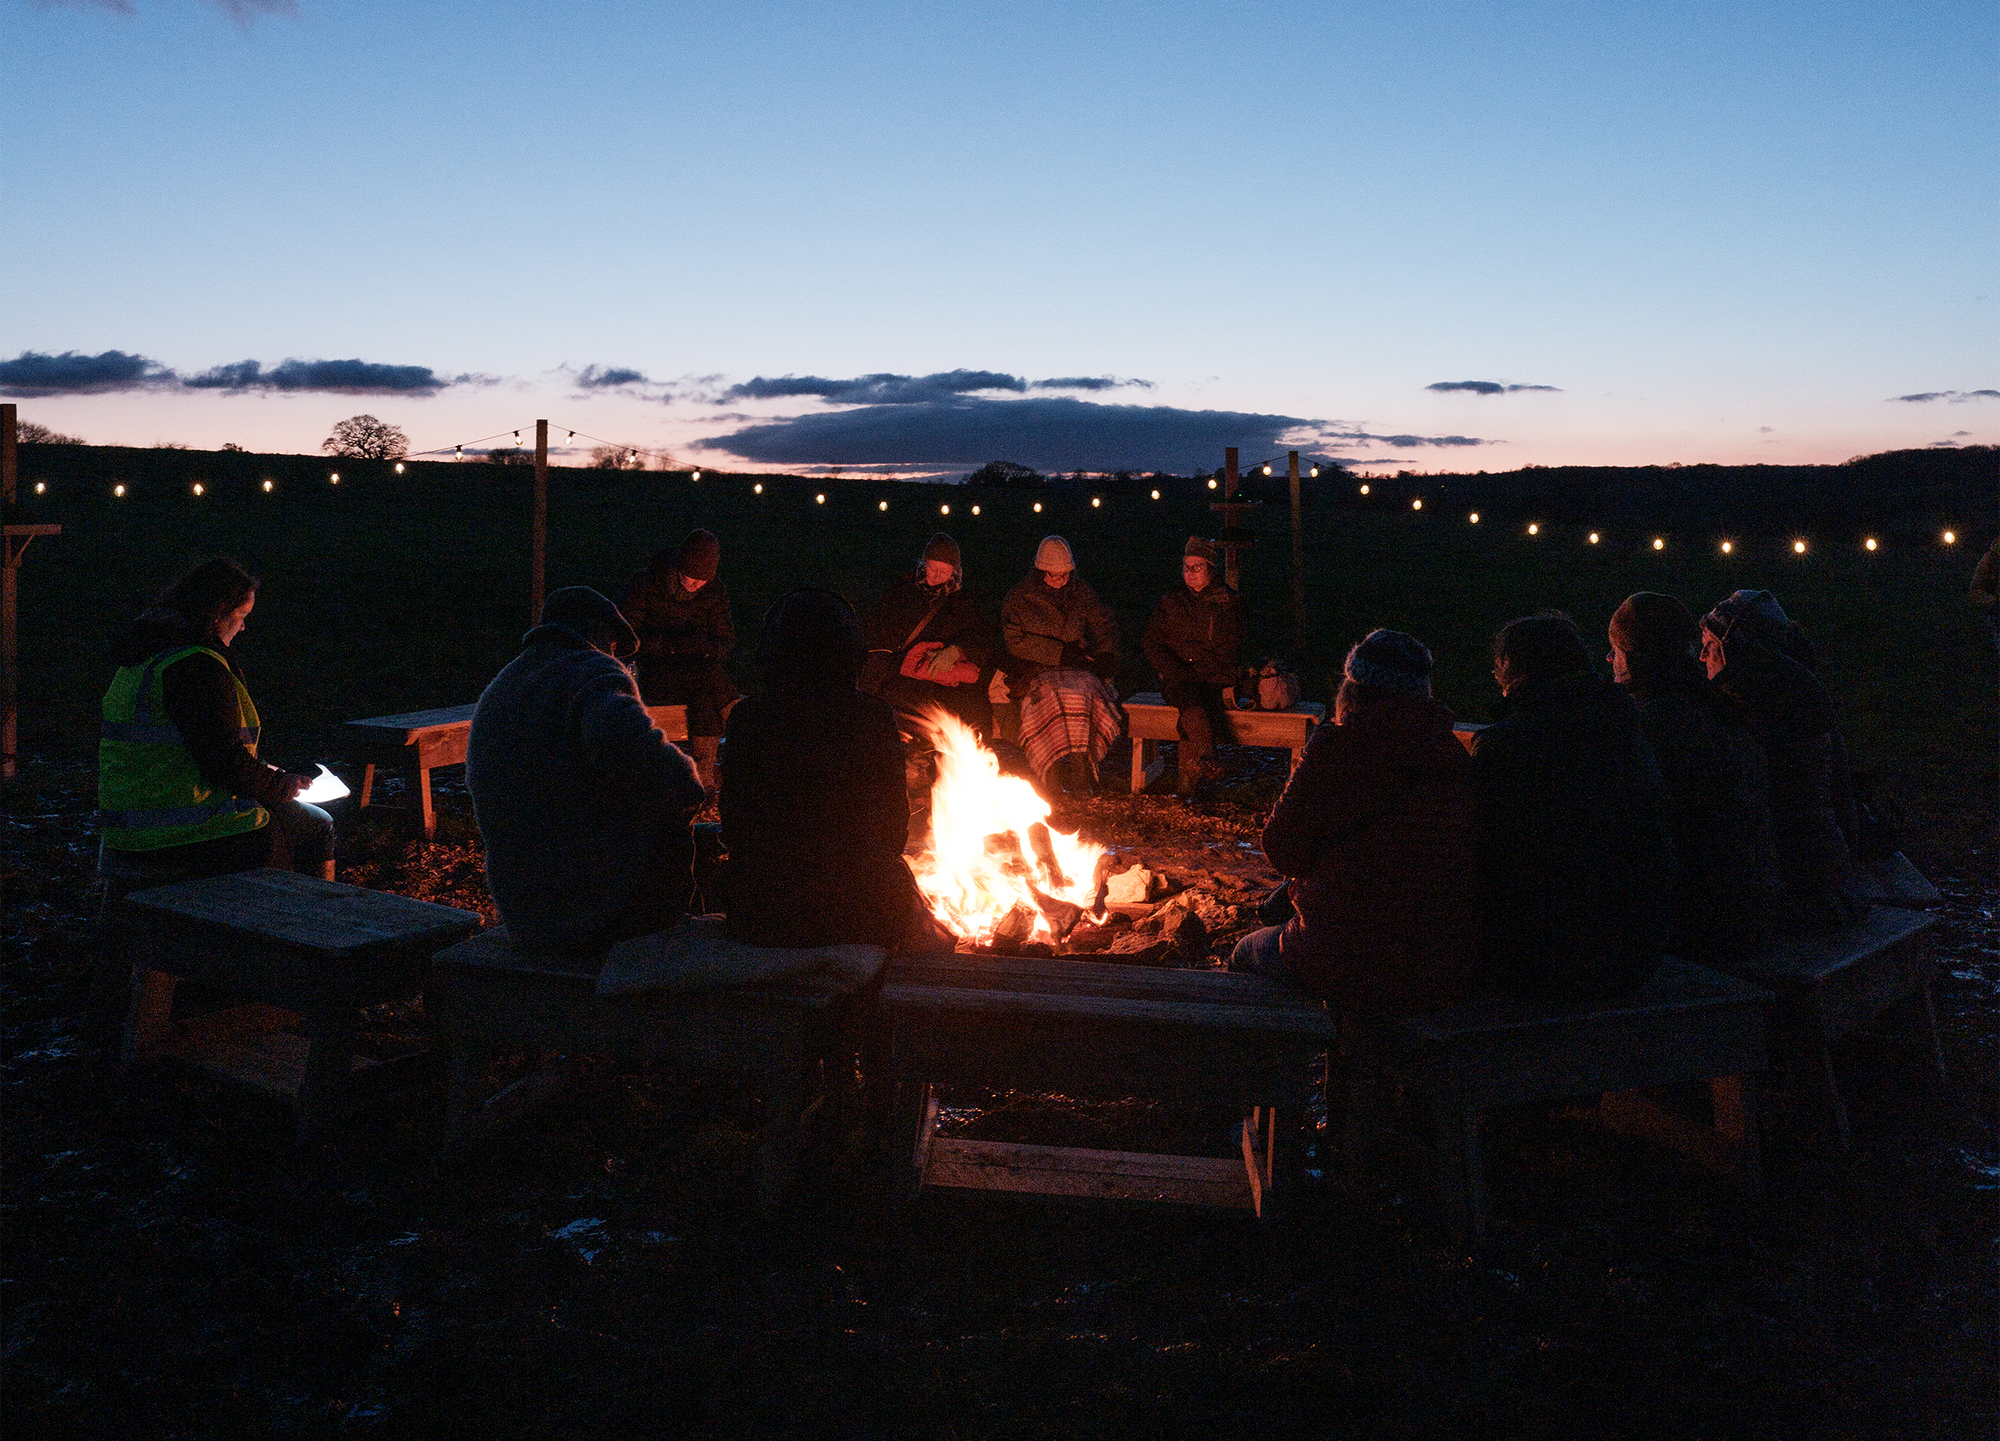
(1150, 719)
(1199, 1038)
(793, 1040)
(420, 741)
(1688, 1024)
(274, 943)
(1830, 984)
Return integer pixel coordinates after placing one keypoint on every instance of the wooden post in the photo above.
(538, 586)
(17, 536)
(1298, 563)
(1234, 537)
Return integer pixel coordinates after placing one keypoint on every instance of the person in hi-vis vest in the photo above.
(179, 784)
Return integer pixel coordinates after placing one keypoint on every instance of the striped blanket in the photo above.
(1068, 710)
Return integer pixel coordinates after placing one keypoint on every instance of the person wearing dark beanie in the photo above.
(680, 610)
(1376, 830)
(930, 647)
(1713, 771)
(1195, 641)
(1575, 859)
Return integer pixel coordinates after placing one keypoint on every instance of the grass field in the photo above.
(387, 593)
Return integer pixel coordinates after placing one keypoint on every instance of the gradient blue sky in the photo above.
(1728, 232)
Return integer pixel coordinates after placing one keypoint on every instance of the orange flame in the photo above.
(984, 858)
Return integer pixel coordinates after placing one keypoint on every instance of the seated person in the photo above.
(813, 807)
(179, 784)
(585, 808)
(1758, 659)
(928, 645)
(1376, 830)
(681, 613)
(1193, 641)
(1714, 778)
(1064, 642)
(1576, 866)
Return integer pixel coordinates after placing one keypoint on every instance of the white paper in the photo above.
(326, 786)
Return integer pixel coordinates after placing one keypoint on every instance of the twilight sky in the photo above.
(919, 236)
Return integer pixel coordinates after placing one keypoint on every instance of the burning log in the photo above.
(1062, 916)
(1045, 854)
(1015, 927)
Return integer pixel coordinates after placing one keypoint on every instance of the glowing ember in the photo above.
(995, 870)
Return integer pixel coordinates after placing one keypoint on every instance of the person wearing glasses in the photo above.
(1193, 641)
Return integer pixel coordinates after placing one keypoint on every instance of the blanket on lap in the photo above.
(1065, 711)
(695, 955)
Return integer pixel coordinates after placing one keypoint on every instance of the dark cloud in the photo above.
(33, 373)
(881, 389)
(348, 377)
(1088, 382)
(1400, 441)
(1954, 396)
(1486, 387)
(594, 377)
(1048, 433)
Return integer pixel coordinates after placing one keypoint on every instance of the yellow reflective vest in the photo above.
(150, 793)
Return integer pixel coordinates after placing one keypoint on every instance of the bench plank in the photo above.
(1200, 1182)
(324, 917)
(1149, 719)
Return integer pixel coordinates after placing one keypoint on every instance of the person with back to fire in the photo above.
(1575, 859)
(585, 808)
(179, 785)
(1194, 640)
(928, 645)
(1064, 641)
(680, 610)
(1758, 657)
(1714, 777)
(1376, 830)
(813, 804)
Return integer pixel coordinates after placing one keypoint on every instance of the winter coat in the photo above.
(1719, 812)
(572, 787)
(815, 816)
(1790, 715)
(1038, 621)
(1377, 828)
(1576, 864)
(1196, 635)
(891, 629)
(673, 621)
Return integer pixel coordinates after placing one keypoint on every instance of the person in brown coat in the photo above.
(1194, 641)
(1377, 832)
(1063, 642)
(813, 807)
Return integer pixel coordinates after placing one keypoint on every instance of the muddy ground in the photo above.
(174, 1269)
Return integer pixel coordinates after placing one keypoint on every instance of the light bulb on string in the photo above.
(1156, 495)
(1095, 502)
(1313, 474)
(944, 510)
(1211, 485)
(1869, 543)
(1728, 546)
(41, 487)
(117, 490)
(819, 499)
(1658, 543)
(334, 478)
(1417, 504)
(1474, 517)
(1038, 507)
(695, 476)
(1364, 490)
(197, 487)
(883, 506)
(975, 510)
(1267, 470)
(758, 488)
(1593, 537)
(267, 487)
(1798, 547)
(1950, 537)
(1534, 529)
(399, 467)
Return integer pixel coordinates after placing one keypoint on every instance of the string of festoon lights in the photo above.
(1530, 531)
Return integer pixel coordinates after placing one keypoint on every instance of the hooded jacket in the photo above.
(672, 621)
(1038, 620)
(1377, 830)
(1576, 868)
(1196, 635)
(572, 784)
(891, 628)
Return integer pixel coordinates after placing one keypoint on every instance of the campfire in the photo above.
(995, 872)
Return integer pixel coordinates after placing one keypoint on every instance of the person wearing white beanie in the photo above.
(1063, 642)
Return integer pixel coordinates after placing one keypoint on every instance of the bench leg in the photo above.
(466, 1095)
(775, 1169)
(1734, 1099)
(330, 1032)
(367, 786)
(1139, 765)
(424, 801)
(1460, 1170)
(152, 1002)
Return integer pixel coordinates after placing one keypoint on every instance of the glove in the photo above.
(917, 659)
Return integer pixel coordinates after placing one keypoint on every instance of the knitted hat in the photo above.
(1653, 627)
(1205, 549)
(1391, 661)
(1755, 613)
(700, 555)
(942, 547)
(591, 616)
(811, 639)
(1053, 554)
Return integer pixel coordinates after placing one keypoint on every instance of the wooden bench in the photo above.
(1830, 984)
(794, 1040)
(1149, 719)
(1687, 1024)
(1200, 1038)
(283, 943)
(422, 740)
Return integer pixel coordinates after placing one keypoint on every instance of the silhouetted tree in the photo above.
(617, 457)
(366, 438)
(30, 432)
(1004, 472)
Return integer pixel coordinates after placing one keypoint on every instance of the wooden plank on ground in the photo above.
(1061, 1171)
(249, 1046)
(406, 727)
(1184, 1015)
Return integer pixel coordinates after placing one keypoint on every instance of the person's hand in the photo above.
(1074, 657)
(290, 784)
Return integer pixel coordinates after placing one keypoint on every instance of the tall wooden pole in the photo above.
(1298, 563)
(538, 587)
(17, 536)
(1234, 569)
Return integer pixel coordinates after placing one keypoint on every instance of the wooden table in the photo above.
(1081, 1028)
(275, 939)
(422, 740)
(1149, 718)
